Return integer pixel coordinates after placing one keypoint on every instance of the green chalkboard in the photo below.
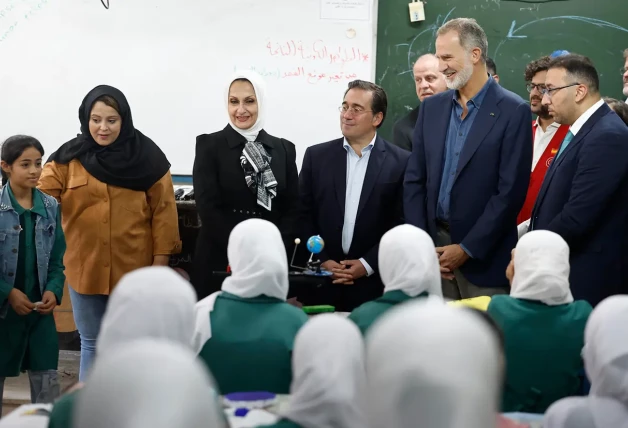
(518, 32)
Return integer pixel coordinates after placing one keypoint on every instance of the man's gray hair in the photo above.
(626, 54)
(470, 33)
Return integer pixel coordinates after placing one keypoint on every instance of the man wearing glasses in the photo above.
(547, 136)
(585, 191)
(351, 194)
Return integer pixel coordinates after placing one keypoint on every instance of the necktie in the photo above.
(565, 143)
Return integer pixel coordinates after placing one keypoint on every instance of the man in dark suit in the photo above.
(351, 193)
(428, 81)
(584, 196)
(469, 170)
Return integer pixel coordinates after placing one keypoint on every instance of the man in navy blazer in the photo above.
(351, 194)
(469, 170)
(584, 196)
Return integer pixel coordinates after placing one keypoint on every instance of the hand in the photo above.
(510, 270)
(161, 260)
(451, 257)
(355, 268)
(20, 303)
(48, 303)
(447, 274)
(340, 275)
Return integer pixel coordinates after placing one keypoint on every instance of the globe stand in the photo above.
(313, 267)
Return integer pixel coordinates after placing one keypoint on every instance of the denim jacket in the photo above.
(10, 237)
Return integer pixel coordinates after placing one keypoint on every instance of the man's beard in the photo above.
(462, 77)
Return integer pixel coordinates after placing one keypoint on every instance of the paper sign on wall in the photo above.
(346, 10)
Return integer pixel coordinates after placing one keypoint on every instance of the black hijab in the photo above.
(133, 161)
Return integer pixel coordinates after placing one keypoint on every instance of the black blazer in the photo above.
(322, 190)
(223, 199)
(403, 130)
(584, 198)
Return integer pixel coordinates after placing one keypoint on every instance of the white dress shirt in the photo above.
(356, 171)
(579, 123)
(542, 140)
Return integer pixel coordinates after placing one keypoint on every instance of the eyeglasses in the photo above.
(623, 71)
(548, 91)
(532, 86)
(356, 111)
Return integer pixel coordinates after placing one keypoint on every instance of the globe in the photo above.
(315, 244)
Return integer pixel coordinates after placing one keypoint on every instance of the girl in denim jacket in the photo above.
(32, 246)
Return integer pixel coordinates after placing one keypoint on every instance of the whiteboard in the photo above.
(173, 59)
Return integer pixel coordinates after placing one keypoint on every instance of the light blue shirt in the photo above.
(356, 171)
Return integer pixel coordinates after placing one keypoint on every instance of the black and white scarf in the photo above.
(259, 177)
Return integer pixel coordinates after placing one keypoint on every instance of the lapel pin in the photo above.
(492, 114)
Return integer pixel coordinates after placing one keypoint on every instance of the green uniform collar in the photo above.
(398, 296)
(38, 203)
(258, 299)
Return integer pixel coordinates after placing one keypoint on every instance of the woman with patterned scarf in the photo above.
(241, 172)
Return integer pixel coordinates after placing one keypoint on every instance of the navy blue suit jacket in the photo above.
(584, 199)
(322, 190)
(491, 179)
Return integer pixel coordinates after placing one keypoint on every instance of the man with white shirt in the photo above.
(351, 194)
(585, 191)
(547, 136)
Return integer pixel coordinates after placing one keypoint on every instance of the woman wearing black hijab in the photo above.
(118, 207)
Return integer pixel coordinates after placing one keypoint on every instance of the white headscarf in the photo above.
(260, 93)
(149, 384)
(431, 365)
(606, 362)
(329, 381)
(152, 302)
(259, 266)
(408, 262)
(542, 268)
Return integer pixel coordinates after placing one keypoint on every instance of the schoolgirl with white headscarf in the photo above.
(329, 385)
(149, 383)
(241, 172)
(431, 365)
(543, 326)
(606, 363)
(245, 332)
(409, 268)
(152, 302)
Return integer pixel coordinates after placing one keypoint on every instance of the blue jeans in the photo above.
(88, 311)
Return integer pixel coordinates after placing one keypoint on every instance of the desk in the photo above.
(309, 290)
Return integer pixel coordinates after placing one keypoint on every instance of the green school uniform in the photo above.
(283, 423)
(251, 344)
(366, 314)
(543, 347)
(30, 342)
(61, 415)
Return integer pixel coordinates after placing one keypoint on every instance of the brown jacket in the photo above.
(109, 230)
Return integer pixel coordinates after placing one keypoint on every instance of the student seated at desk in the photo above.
(431, 365)
(329, 385)
(149, 383)
(152, 302)
(543, 326)
(245, 332)
(606, 362)
(409, 269)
